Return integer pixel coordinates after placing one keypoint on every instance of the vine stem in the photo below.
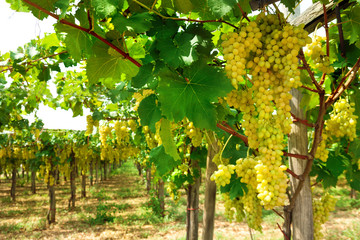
(341, 33)
(295, 155)
(351, 75)
(310, 89)
(302, 121)
(243, 13)
(182, 19)
(234, 133)
(308, 69)
(32, 61)
(293, 174)
(326, 26)
(278, 213)
(283, 232)
(89, 31)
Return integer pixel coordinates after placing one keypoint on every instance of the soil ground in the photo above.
(118, 208)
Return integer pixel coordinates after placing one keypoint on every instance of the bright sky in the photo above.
(18, 28)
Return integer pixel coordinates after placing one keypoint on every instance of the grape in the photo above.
(321, 209)
(223, 175)
(321, 61)
(89, 125)
(264, 52)
(194, 134)
(342, 120)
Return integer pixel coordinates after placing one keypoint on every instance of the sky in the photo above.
(18, 28)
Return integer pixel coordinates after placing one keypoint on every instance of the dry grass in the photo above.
(124, 198)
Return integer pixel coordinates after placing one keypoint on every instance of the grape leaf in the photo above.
(230, 151)
(108, 67)
(199, 154)
(352, 27)
(149, 112)
(192, 94)
(63, 6)
(164, 163)
(138, 22)
(182, 6)
(221, 7)
(77, 42)
(46, 4)
(336, 163)
(178, 53)
(353, 177)
(106, 8)
(289, 4)
(18, 5)
(235, 188)
(168, 140)
(144, 76)
(245, 5)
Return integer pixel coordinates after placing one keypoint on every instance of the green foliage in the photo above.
(164, 163)
(192, 94)
(149, 112)
(168, 140)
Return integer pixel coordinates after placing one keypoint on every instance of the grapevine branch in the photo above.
(182, 19)
(294, 155)
(310, 89)
(344, 84)
(87, 30)
(293, 174)
(326, 26)
(311, 73)
(233, 132)
(243, 13)
(302, 121)
(278, 213)
(341, 34)
(7, 68)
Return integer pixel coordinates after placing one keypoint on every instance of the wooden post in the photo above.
(13, 184)
(83, 185)
(192, 216)
(33, 182)
(72, 182)
(210, 188)
(52, 200)
(91, 173)
(161, 196)
(105, 170)
(148, 179)
(302, 214)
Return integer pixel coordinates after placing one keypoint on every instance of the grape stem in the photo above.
(296, 155)
(326, 26)
(243, 13)
(31, 62)
(278, 213)
(351, 75)
(301, 56)
(89, 31)
(283, 232)
(302, 121)
(233, 132)
(310, 89)
(293, 174)
(182, 19)
(341, 34)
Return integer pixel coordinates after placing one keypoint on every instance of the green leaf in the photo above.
(144, 76)
(164, 163)
(138, 22)
(336, 163)
(235, 188)
(221, 7)
(289, 4)
(352, 26)
(109, 68)
(149, 112)
(233, 152)
(77, 109)
(245, 5)
(182, 6)
(168, 140)
(353, 177)
(192, 94)
(106, 8)
(44, 74)
(18, 5)
(178, 53)
(354, 148)
(63, 6)
(77, 42)
(199, 154)
(46, 4)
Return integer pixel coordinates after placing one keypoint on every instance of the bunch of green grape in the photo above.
(264, 52)
(319, 58)
(321, 210)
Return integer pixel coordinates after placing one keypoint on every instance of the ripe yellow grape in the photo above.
(321, 210)
(265, 52)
